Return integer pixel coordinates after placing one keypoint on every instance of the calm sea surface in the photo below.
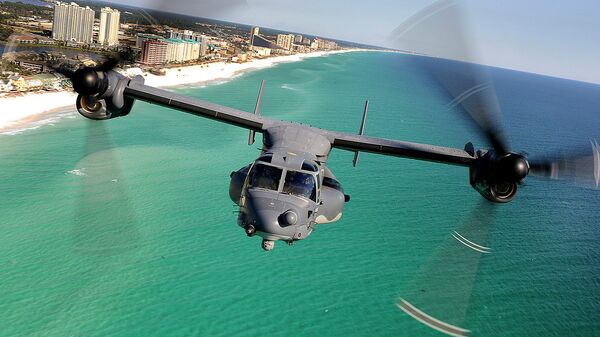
(125, 227)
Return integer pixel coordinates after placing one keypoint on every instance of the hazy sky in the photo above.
(558, 38)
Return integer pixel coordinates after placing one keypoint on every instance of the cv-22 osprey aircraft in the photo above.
(289, 188)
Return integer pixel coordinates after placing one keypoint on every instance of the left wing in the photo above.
(439, 154)
(195, 106)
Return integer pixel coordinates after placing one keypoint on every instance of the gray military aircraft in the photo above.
(289, 189)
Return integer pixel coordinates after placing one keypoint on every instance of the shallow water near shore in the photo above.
(125, 227)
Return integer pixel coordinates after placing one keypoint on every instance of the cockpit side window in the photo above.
(266, 158)
(308, 166)
(300, 184)
(264, 176)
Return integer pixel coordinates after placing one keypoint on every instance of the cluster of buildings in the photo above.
(78, 26)
(287, 43)
(16, 83)
(73, 23)
(179, 47)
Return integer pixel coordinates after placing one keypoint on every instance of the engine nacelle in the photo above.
(496, 192)
(237, 183)
(332, 201)
(487, 179)
(112, 102)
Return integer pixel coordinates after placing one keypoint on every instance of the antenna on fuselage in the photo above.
(362, 131)
(256, 110)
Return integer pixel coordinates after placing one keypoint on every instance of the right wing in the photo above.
(439, 154)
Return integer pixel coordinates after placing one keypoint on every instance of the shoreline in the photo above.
(46, 107)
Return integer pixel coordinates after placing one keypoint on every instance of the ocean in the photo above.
(125, 227)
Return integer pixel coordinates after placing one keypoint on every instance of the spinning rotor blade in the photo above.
(62, 69)
(582, 169)
(203, 8)
(440, 295)
(111, 62)
(105, 220)
(438, 31)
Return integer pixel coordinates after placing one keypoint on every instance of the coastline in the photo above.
(31, 110)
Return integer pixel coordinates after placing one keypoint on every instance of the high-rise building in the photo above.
(203, 45)
(285, 41)
(298, 39)
(72, 23)
(141, 38)
(326, 44)
(190, 35)
(154, 52)
(175, 50)
(191, 50)
(184, 35)
(109, 26)
(306, 41)
(253, 31)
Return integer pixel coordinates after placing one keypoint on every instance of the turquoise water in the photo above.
(125, 227)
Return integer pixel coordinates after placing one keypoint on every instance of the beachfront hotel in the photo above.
(154, 52)
(109, 26)
(326, 44)
(285, 41)
(72, 23)
(253, 31)
(182, 50)
(175, 50)
(190, 36)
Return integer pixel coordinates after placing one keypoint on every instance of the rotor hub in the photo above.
(88, 81)
(512, 168)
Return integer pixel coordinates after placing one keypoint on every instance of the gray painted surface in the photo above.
(294, 154)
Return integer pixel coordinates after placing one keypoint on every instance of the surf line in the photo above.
(430, 321)
(470, 244)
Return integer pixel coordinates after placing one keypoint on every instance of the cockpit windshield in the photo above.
(265, 176)
(300, 184)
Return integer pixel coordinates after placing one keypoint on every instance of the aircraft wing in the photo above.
(439, 154)
(345, 141)
(196, 107)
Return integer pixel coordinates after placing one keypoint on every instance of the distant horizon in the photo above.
(514, 36)
(583, 72)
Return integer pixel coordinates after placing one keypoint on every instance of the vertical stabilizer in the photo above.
(256, 110)
(362, 130)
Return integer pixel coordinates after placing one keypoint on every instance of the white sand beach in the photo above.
(21, 112)
(216, 71)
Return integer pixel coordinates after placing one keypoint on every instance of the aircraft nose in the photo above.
(266, 221)
(264, 213)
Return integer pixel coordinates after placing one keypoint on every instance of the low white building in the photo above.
(6, 85)
(261, 51)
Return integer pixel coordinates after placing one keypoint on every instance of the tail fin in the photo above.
(256, 110)
(362, 131)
